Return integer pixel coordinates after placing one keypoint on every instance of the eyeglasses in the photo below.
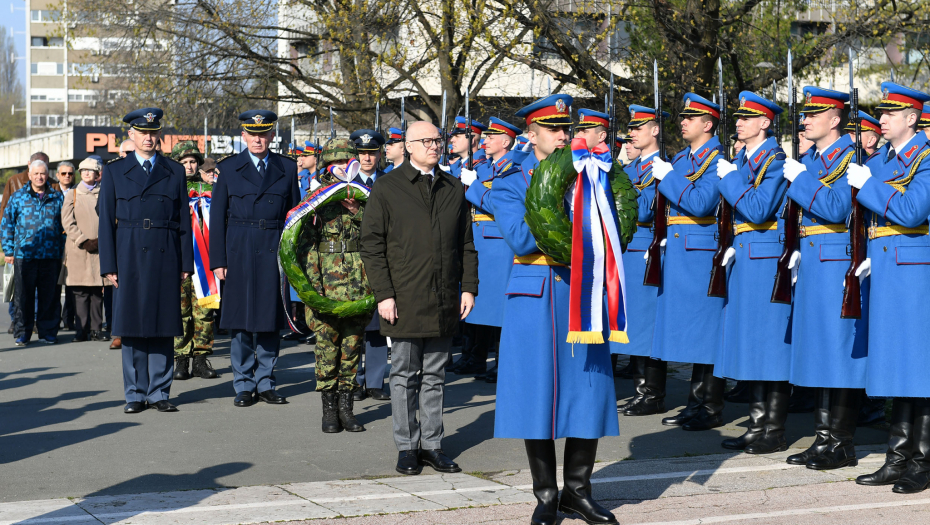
(66, 173)
(430, 142)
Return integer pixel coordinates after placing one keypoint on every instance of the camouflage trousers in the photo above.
(339, 345)
(197, 322)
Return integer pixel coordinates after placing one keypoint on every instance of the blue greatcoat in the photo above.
(756, 342)
(546, 388)
(495, 258)
(148, 261)
(640, 299)
(899, 334)
(478, 158)
(246, 219)
(826, 350)
(688, 326)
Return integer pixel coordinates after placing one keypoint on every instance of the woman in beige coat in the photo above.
(82, 262)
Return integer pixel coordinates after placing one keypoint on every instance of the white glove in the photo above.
(468, 176)
(794, 264)
(724, 167)
(856, 175)
(444, 167)
(864, 270)
(660, 168)
(729, 257)
(792, 169)
(661, 250)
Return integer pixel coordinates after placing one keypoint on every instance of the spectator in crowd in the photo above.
(208, 170)
(65, 175)
(33, 241)
(126, 148)
(80, 221)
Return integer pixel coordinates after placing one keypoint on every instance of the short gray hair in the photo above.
(65, 164)
(37, 163)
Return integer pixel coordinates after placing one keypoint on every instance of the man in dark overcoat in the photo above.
(145, 251)
(250, 202)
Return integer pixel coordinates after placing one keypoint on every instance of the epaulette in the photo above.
(111, 161)
(224, 157)
(288, 157)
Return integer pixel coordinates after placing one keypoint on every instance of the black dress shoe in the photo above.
(100, 336)
(272, 397)
(439, 461)
(378, 395)
(408, 462)
(80, 337)
(164, 406)
(244, 399)
(134, 407)
(491, 376)
(293, 336)
(360, 394)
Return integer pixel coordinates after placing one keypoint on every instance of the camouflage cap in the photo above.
(338, 149)
(188, 148)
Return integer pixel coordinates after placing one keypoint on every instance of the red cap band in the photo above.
(701, 107)
(544, 113)
(643, 116)
(838, 104)
(908, 101)
(760, 108)
(502, 129)
(589, 119)
(461, 125)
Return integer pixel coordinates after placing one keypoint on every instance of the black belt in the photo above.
(261, 224)
(146, 224)
(339, 246)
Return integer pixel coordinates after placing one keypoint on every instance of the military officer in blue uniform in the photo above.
(250, 202)
(547, 388)
(394, 148)
(827, 352)
(458, 142)
(145, 251)
(894, 187)
(495, 258)
(368, 143)
(687, 326)
(649, 376)
(756, 332)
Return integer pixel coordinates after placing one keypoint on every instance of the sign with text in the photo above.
(105, 141)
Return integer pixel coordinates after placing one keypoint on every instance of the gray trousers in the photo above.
(410, 357)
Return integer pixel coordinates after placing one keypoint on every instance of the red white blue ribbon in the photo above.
(206, 283)
(597, 267)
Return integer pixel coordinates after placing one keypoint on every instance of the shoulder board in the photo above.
(224, 157)
(111, 161)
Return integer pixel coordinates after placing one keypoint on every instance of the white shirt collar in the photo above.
(749, 153)
(421, 170)
(904, 146)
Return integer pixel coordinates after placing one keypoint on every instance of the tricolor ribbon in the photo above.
(596, 265)
(206, 283)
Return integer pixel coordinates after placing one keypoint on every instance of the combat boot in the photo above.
(821, 429)
(181, 366)
(576, 474)
(346, 417)
(695, 397)
(844, 410)
(900, 437)
(917, 476)
(541, 455)
(202, 368)
(776, 412)
(330, 412)
(639, 381)
(653, 402)
(710, 413)
(757, 390)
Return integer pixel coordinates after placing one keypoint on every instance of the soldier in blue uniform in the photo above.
(306, 166)
(827, 352)
(548, 389)
(688, 321)
(495, 258)
(894, 186)
(756, 332)
(394, 148)
(146, 251)
(650, 374)
(458, 142)
(250, 201)
(871, 131)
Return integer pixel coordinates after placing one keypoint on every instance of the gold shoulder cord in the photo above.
(645, 183)
(698, 173)
(838, 172)
(901, 185)
(762, 171)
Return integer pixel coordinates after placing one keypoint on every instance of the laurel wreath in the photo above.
(545, 209)
(287, 256)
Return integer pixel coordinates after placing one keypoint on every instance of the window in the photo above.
(38, 41)
(38, 121)
(59, 68)
(47, 68)
(44, 15)
(56, 41)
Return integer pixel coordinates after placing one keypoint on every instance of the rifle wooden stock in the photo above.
(718, 274)
(653, 275)
(852, 297)
(781, 292)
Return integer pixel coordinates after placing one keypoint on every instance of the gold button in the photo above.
(820, 172)
(812, 244)
(895, 172)
(885, 248)
(558, 278)
(813, 220)
(676, 235)
(740, 245)
(887, 224)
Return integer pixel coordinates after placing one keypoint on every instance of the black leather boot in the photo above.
(346, 415)
(639, 381)
(653, 402)
(776, 412)
(710, 413)
(695, 397)
(330, 412)
(740, 393)
(803, 400)
(479, 363)
(844, 410)
(541, 454)
(576, 490)
(757, 391)
(900, 437)
(821, 429)
(629, 371)
(181, 368)
(202, 368)
(917, 476)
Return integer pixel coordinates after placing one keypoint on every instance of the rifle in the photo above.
(313, 139)
(852, 298)
(609, 109)
(444, 156)
(332, 127)
(403, 124)
(468, 134)
(781, 292)
(378, 116)
(653, 275)
(718, 274)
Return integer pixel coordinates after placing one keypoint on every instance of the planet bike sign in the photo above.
(105, 141)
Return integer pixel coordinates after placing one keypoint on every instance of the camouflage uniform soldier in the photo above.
(197, 341)
(333, 264)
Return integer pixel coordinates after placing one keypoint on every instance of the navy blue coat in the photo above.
(246, 219)
(148, 261)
